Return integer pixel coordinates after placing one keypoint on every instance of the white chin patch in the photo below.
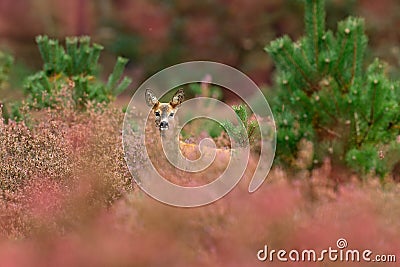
(163, 128)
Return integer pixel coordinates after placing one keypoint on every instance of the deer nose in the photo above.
(164, 125)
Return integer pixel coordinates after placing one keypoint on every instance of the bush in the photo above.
(77, 66)
(327, 96)
(78, 155)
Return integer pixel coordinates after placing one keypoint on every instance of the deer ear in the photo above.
(151, 99)
(178, 98)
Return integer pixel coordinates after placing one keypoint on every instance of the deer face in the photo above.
(164, 112)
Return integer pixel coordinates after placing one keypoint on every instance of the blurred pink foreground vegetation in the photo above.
(67, 200)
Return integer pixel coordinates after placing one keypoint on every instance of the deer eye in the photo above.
(157, 113)
(171, 114)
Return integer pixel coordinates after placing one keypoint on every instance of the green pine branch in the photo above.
(315, 29)
(76, 64)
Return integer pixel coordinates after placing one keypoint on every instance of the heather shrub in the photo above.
(231, 231)
(102, 156)
(76, 155)
(327, 96)
(72, 215)
(95, 141)
(27, 153)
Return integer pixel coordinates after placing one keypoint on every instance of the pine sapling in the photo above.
(76, 66)
(327, 96)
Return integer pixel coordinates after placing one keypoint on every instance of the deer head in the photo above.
(164, 112)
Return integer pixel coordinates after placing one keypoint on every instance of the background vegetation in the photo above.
(154, 33)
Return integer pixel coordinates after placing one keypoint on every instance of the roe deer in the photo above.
(187, 157)
(164, 112)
